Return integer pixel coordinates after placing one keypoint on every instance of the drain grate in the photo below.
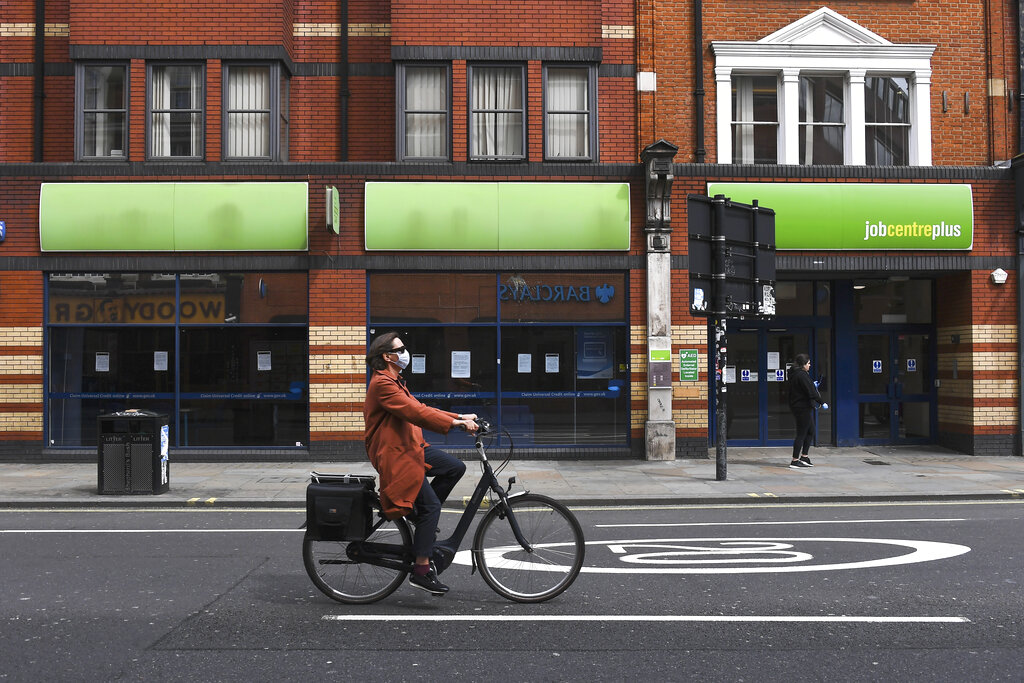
(876, 462)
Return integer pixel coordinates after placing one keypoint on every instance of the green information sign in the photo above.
(660, 355)
(688, 368)
(890, 216)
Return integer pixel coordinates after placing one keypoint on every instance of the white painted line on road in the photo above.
(147, 531)
(504, 618)
(802, 521)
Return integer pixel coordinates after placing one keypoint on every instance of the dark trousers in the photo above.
(445, 472)
(804, 432)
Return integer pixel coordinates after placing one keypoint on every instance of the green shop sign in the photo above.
(256, 216)
(889, 216)
(498, 216)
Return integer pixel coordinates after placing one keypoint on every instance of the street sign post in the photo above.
(732, 275)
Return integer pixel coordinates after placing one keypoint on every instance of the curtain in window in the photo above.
(755, 116)
(176, 94)
(568, 112)
(103, 111)
(821, 120)
(426, 107)
(248, 124)
(497, 125)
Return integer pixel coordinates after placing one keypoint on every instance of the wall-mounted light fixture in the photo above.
(998, 276)
(945, 101)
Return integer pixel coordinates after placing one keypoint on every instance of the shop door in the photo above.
(757, 404)
(895, 398)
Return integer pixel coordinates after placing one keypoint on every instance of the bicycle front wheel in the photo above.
(356, 583)
(544, 571)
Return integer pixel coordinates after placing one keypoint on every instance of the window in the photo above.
(423, 112)
(176, 111)
(821, 120)
(755, 124)
(545, 355)
(102, 111)
(223, 354)
(497, 115)
(845, 96)
(887, 121)
(255, 112)
(568, 104)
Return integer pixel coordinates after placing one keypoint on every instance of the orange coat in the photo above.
(394, 440)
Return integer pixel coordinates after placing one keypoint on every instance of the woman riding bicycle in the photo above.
(394, 421)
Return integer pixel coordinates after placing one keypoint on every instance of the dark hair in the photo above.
(379, 347)
(802, 359)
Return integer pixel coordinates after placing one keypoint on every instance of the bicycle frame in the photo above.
(394, 556)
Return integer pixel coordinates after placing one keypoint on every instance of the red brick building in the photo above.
(854, 121)
(169, 178)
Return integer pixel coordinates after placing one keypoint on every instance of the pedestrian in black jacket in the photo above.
(803, 400)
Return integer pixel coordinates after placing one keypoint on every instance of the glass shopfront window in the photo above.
(224, 355)
(545, 355)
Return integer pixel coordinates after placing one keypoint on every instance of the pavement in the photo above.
(753, 475)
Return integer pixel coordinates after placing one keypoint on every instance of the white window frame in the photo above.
(825, 43)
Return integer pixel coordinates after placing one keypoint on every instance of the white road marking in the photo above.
(802, 521)
(504, 618)
(147, 531)
(684, 550)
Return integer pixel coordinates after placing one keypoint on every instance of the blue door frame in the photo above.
(848, 366)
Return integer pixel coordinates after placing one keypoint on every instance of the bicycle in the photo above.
(534, 558)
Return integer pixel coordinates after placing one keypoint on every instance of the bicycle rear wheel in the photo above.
(557, 545)
(356, 583)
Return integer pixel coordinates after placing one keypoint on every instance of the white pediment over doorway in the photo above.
(824, 27)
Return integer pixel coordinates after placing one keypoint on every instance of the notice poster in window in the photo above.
(551, 362)
(730, 374)
(419, 363)
(773, 360)
(525, 363)
(460, 364)
(160, 361)
(263, 361)
(102, 361)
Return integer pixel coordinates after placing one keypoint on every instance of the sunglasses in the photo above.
(399, 349)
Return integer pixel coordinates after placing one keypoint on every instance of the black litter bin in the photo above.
(132, 452)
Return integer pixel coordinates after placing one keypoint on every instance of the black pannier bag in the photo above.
(338, 507)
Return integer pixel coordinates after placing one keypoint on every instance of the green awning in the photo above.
(503, 216)
(173, 217)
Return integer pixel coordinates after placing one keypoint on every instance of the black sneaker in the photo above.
(428, 582)
(799, 465)
(807, 461)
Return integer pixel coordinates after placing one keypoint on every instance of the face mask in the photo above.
(403, 360)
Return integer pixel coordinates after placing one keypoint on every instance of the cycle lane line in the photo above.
(504, 618)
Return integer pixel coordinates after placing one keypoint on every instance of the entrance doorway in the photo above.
(757, 404)
(894, 387)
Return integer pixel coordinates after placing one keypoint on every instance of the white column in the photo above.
(789, 117)
(660, 429)
(856, 153)
(723, 113)
(921, 119)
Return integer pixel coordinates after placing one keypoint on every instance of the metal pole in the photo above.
(720, 395)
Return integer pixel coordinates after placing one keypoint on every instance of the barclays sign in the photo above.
(557, 293)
